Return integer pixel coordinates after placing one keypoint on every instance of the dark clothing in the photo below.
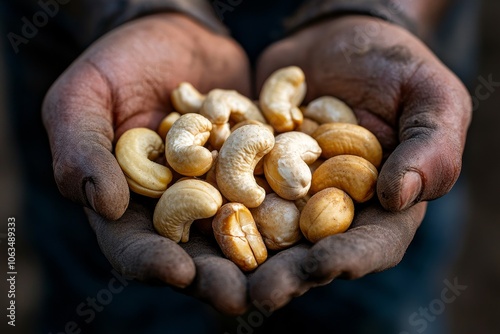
(75, 271)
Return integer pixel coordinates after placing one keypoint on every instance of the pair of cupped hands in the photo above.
(398, 89)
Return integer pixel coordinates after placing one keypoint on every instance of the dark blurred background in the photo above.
(477, 309)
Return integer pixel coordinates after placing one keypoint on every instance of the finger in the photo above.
(377, 241)
(218, 281)
(280, 279)
(134, 249)
(432, 131)
(78, 117)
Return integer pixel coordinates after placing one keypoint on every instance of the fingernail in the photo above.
(410, 189)
(89, 193)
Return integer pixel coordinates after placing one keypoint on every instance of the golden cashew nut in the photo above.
(236, 163)
(167, 123)
(329, 109)
(186, 99)
(237, 235)
(352, 174)
(184, 145)
(259, 169)
(328, 212)
(280, 97)
(135, 151)
(286, 166)
(277, 220)
(344, 138)
(250, 122)
(220, 106)
(181, 204)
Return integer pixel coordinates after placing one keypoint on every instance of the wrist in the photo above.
(387, 10)
(117, 13)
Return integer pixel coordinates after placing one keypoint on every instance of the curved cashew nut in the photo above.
(278, 222)
(281, 93)
(237, 235)
(186, 99)
(237, 160)
(259, 168)
(328, 212)
(254, 122)
(184, 145)
(181, 204)
(134, 152)
(167, 123)
(286, 166)
(344, 138)
(222, 105)
(329, 109)
(352, 174)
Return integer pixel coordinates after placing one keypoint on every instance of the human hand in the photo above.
(123, 81)
(420, 113)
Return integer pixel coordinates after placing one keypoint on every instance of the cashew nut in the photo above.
(181, 204)
(352, 174)
(237, 235)
(222, 105)
(281, 93)
(186, 99)
(286, 166)
(184, 145)
(167, 123)
(259, 168)
(329, 109)
(237, 159)
(344, 138)
(252, 121)
(134, 152)
(328, 212)
(278, 222)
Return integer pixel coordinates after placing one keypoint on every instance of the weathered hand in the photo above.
(197, 267)
(419, 111)
(124, 81)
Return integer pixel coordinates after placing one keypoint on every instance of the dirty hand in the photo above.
(420, 113)
(123, 81)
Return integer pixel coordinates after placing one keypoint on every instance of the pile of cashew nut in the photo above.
(265, 174)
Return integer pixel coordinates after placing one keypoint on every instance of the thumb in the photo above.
(78, 118)
(432, 131)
